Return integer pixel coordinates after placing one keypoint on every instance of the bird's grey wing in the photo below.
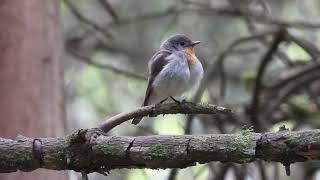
(156, 64)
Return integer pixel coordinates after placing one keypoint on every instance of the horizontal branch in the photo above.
(165, 108)
(91, 151)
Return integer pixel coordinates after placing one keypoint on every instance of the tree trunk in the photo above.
(31, 74)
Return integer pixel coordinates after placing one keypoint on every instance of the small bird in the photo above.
(173, 70)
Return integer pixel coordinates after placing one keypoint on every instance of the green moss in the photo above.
(245, 160)
(242, 141)
(247, 131)
(157, 151)
(243, 146)
(292, 141)
(247, 77)
(106, 149)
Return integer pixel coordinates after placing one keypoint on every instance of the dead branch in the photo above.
(167, 108)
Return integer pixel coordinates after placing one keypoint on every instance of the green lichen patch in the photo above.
(158, 152)
(242, 143)
(245, 160)
(106, 149)
(292, 142)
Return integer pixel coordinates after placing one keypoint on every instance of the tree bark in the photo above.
(31, 75)
(91, 151)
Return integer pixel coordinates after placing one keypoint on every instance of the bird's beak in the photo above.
(195, 43)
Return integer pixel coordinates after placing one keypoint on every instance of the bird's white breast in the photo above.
(176, 77)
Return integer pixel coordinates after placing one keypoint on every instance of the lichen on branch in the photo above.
(90, 150)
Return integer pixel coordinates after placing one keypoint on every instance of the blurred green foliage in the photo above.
(295, 52)
(170, 124)
(93, 88)
(248, 77)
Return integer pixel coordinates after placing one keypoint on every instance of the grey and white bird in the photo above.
(173, 70)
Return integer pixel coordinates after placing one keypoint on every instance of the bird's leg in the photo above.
(176, 101)
(162, 101)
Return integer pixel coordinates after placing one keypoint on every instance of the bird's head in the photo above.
(178, 43)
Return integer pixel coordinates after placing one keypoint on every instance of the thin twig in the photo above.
(280, 54)
(255, 102)
(310, 68)
(88, 60)
(223, 11)
(85, 20)
(226, 52)
(107, 6)
(309, 47)
(223, 171)
(258, 18)
(298, 83)
(173, 174)
(84, 176)
(168, 108)
(262, 170)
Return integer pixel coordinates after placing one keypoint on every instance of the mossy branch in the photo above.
(90, 150)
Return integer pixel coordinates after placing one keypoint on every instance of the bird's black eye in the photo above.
(182, 43)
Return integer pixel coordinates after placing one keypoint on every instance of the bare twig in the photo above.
(88, 60)
(310, 48)
(167, 108)
(258, 18)
(75, 43)
(224, 11)
(84, 176)
(310, 68)
(87, 21)
(223, 171)
(280, 54)
(255, 102)
(262, 170)
(173, 174)
(107, 6)
(226, 52)
(298, 83)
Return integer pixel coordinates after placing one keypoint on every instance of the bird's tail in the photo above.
(136, 120)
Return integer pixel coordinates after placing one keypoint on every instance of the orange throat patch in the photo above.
(189, 53)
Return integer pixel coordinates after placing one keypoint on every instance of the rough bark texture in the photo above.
(90, 150)
(31, 74)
